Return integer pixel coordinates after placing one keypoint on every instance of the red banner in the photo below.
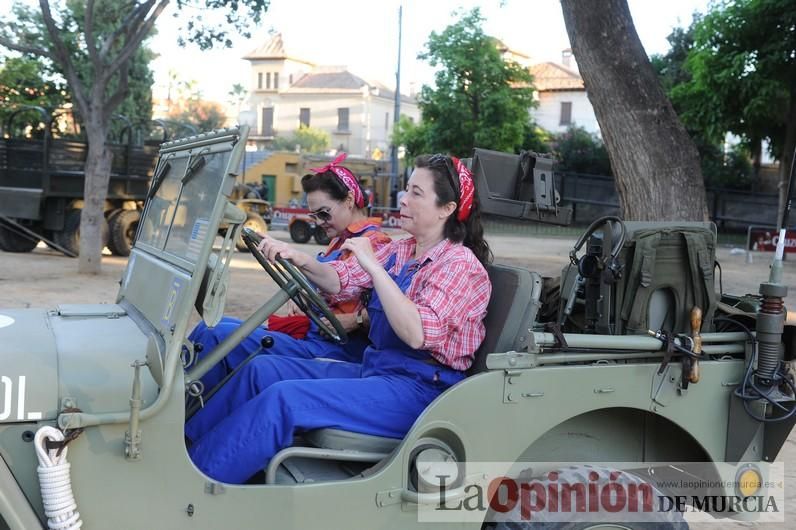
(281, 215)
(766, 239)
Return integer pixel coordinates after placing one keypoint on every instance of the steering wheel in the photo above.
(588, 265)
(292, 281)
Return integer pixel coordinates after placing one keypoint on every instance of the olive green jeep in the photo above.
(630, 362)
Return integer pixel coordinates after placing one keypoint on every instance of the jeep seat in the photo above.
(510, 314)
(512, 310)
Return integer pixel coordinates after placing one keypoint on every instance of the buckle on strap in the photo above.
(69, 435)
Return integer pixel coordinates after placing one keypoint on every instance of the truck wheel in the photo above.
(13, 240)
(320, 236)
(300, 231)
(122, 228)
(585, 474)
(254, 222)
(110, 216)
(69, 237)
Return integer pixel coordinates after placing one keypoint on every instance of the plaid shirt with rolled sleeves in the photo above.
(377, 240)
(451, 291)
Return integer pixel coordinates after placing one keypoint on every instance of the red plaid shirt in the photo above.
(450, 290)
(359, 229)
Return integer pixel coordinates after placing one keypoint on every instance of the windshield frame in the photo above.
(160, 248)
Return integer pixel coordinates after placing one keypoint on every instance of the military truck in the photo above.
(258, 211)
(566, 374)
(302, 227)
(41, 187)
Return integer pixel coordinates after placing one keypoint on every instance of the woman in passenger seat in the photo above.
(337, 203)
(429, 299)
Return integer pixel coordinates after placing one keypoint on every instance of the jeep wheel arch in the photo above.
(618, 434)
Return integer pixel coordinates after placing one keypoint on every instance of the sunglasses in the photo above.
(453, 175)
(322, 215)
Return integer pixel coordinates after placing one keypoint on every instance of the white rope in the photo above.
(55, 482)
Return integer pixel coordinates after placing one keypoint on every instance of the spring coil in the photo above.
(768, 352)
(773, 305)
(767, 360)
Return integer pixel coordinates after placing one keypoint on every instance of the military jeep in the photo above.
(568, 373)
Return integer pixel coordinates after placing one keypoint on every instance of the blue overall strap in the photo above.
(391, 355)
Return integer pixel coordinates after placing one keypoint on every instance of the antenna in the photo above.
(396, 111)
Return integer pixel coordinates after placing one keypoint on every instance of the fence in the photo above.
(592, 196)
(595, 195)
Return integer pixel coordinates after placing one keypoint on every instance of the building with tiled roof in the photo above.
(553, 77)
(286, 91)
(561, 95)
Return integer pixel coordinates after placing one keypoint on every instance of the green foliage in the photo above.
(95, 49)
(304, 140)
(412, 136)
(137, 104)
(726, 170)
(208, 31)
(671, 67)
(237, 95)
(25, 81)
(579, 151)
(536, 139)
(478, 99)
(136, 107)
(743, 72)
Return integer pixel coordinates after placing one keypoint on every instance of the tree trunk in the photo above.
(786, 156)
(95, 190)
(655, 162)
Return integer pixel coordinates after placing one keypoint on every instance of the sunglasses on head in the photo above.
(453, 175)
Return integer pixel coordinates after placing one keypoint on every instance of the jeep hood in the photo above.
(80, 352)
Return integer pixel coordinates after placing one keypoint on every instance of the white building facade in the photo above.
(562, 100)
(287, 92)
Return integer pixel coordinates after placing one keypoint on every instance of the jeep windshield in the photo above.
(188, 200)
(177, 217)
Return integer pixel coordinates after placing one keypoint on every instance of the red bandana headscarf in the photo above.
(346, 176)
(466, 189)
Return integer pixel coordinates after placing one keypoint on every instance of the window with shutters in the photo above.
(268, 121)
(342, 119)
(566, 113)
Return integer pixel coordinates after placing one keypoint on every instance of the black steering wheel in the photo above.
(293, 282)
(611, 266)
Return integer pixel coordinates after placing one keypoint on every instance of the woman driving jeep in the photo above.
(338, 206)
(429, 299)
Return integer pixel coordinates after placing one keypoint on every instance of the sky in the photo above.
(363, 36)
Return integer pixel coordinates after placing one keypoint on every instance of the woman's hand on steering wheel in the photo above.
(271, 248)
(275, 257)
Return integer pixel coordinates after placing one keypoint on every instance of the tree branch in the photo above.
(125, 26)
(25, 49)
(138, 34)
(121, 91)
(62, 56)
(89, 33)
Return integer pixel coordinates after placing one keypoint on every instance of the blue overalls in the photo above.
(312, 346)
(256, 413)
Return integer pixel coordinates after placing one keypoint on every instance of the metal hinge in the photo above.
(388, 497)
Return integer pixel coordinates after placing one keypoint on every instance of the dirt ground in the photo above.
(45, 278)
